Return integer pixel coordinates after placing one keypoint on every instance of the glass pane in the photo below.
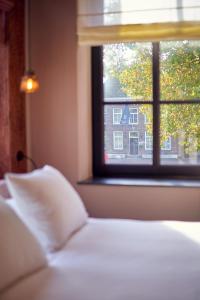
(128, 134)
(180, 134)
(179, 70)
(127, 72)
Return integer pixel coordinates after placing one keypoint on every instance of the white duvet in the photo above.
(120, 260)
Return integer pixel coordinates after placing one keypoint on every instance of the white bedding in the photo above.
(120, 260)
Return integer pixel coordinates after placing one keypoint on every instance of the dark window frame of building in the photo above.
(100, 168)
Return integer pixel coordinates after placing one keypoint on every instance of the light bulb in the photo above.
(29, 83)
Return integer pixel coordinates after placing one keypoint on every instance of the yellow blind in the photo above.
(109, 21)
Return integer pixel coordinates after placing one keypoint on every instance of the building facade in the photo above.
(128, 136)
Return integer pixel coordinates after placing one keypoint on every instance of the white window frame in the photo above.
(117, 144)
(117, 115)
(133, 113)
(133, 134)
(148, 136)
(167, 142)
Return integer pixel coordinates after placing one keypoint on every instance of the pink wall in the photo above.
(59, 122)
(53, 110)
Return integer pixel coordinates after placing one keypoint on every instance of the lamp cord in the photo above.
(28, 33)
(31, 160)
(20, 156)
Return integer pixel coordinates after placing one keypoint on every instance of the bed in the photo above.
(110, 259)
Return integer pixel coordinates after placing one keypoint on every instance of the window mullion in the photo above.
(156, 104)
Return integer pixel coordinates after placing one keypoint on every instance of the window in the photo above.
(133, 119)
(156, 90)
(117, 140)
(133, 134)
(117, 115)
(148, 141)
(167, 144)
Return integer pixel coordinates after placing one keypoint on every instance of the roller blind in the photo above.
(108, 21)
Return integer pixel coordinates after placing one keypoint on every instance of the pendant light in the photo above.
(29, 82)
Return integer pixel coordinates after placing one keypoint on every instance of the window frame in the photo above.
(114, 114)
(115, 132)
(100, 168)
(131, 113)
(136, 134)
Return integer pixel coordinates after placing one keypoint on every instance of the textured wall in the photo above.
(12, 102)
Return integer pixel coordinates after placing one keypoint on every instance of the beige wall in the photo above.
(59, 122)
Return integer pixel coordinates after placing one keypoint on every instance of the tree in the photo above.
(179, 80)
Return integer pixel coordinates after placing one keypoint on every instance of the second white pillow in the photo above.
(20, 252)
(48, 204)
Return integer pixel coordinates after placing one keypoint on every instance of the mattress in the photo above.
(120, 259)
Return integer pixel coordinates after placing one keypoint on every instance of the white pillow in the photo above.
(4, 190)
(20, 252)
(48, 204)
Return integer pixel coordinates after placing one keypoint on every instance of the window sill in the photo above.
(151, 182)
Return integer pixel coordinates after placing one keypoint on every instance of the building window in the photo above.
(148, 141)
(167, 144)
(118, 140)
(159, 82)
(117, 115)
(133, 118)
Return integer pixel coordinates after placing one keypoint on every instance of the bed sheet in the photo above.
(112, 259)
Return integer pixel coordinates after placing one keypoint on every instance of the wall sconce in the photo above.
(29, 82)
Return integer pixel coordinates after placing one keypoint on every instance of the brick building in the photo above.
(128, 137)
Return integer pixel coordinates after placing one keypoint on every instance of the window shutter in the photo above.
(110, 21)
